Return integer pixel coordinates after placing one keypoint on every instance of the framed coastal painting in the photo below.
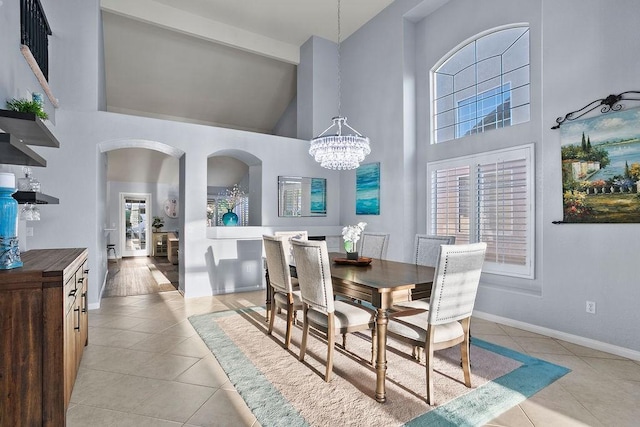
(368, 189)
(601, 168)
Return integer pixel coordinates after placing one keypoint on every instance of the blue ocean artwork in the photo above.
(368, 189)
(318, 196)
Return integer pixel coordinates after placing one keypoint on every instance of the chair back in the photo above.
(277, 263)
(314, 274)
(374, 245)
(427, 248)
(288, 235)
(456, 282)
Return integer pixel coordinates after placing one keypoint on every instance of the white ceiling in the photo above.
(227, 63)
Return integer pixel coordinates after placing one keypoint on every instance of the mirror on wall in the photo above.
(300, 196)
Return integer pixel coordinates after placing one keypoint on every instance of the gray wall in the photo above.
(581, 50)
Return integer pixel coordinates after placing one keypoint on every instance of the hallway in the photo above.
(140, 276)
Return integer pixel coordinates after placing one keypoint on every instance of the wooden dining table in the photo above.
(377, 283)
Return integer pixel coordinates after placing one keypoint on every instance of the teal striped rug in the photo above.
(474, 408)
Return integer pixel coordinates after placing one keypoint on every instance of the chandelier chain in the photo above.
(339, 75)
(339, 151)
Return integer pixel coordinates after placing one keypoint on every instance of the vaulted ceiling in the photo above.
(228, 63)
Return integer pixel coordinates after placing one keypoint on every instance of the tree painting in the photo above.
(601, 168)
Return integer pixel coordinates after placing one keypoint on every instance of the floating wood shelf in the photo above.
(35, 198)
(28, 127)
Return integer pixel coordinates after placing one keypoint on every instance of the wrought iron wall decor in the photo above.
(609, 103)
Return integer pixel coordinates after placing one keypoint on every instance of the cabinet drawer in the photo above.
(70, 292)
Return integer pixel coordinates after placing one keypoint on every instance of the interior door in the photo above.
(134, 224)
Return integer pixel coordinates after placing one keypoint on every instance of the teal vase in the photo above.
(9, 250)
(230, 218)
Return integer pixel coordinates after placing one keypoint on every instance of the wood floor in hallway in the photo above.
(140, 276)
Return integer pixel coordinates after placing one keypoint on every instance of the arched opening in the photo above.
(234, 185)
(142, 205)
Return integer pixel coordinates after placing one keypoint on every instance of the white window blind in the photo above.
(488, 198)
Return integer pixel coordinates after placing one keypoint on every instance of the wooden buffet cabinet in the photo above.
(43, 332)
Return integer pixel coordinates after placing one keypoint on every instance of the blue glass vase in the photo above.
(9, 250)
(230, 218)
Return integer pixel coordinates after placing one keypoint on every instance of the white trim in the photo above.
(574, 339)
(117, 144)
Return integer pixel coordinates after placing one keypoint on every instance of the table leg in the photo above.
(382, 318)
(268, 296)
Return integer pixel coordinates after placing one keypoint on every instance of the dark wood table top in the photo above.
(380, 277)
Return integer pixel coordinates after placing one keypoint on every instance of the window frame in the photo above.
(434, 87)
(526, 152)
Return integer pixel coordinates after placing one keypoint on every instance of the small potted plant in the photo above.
(157, 223)
(25, 106)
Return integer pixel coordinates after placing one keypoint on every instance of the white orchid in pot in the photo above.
(351, 235)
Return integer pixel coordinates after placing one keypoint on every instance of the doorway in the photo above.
(134, 223)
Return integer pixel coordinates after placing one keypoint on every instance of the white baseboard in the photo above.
(96, 305)
(574, 339)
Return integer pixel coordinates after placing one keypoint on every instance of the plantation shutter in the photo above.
(503, 210)
(487, 198)
(451, 203)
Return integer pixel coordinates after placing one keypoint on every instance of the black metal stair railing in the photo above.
(35, 30)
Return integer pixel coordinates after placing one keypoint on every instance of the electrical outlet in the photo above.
(591, 307)
(29, 231)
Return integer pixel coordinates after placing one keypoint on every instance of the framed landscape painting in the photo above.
(601, 168)
(368, 189)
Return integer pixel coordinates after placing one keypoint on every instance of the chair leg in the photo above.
(464, 348)
(331, 342)
(290, 312)
(305, 332)
(415, 353)
(428, 354)
(271, 320)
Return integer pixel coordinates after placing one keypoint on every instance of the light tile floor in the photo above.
(146, 366)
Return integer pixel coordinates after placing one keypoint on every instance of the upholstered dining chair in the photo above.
(446, 324)
(288, 235)
(320, 309)
(426, 250)
(374, 245)
(284, 297)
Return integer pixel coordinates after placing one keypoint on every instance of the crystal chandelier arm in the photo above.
(325, 131)
(356, 132)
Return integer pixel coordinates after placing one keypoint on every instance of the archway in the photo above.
(148, 167)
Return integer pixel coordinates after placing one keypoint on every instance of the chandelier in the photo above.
(337, 150)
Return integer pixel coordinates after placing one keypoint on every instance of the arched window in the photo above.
(482, 85)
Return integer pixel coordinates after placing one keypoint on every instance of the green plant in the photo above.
(26, 106)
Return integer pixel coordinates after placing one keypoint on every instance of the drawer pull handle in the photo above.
(77, 328)
(86, 271)
(81, 279)
(73, 292)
